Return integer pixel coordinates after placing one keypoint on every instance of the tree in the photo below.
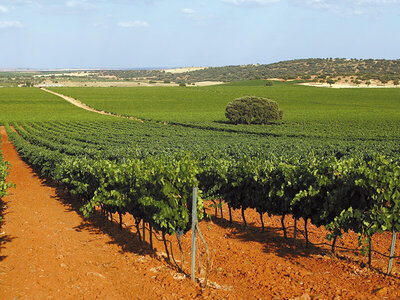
(396, 82)
(253, 110)
(330, 81)
(384, 80)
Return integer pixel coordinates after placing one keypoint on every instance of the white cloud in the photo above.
(16, 1)
(63, 2)
(83, 5)
(258, 2)
(347, 2)
(317, 3)
(3, 9)
(188, 11)
(131, 24)
(362, 2)
(349, 7)
(10, 24)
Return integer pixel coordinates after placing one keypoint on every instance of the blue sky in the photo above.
(173, 33)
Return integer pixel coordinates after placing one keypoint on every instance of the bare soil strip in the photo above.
(49, 251)
(88, 108)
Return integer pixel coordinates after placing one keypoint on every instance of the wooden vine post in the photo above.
(196, 228)
(392, 252)
(194, 222)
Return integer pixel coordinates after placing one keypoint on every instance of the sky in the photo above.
(48, 34)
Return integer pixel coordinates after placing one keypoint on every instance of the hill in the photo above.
(327, 70)
(291, 69)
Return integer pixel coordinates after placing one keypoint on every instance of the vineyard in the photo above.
(333, 164)
(358, 193)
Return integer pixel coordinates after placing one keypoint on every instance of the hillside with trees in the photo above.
(291, 69)
(329, 70)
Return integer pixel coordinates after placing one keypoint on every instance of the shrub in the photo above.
(330, 81)
(253, 110)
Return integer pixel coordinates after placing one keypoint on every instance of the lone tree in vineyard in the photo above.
(253, 110)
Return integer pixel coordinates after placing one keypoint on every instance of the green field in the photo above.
(308, 111)
(33, 104)
(316, 119)
(193, 104)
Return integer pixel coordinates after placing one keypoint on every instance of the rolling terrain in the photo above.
(80, 175)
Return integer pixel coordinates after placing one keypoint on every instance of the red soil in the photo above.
(49, 251)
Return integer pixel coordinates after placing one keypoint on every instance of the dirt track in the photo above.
(49, 251)
(85, 107)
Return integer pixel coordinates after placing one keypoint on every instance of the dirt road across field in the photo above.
(48, 251)
(84, 106)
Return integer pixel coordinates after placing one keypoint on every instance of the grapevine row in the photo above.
(4, 170)
(358, 192)
(152, 190)
(118, 139)
(361, 194)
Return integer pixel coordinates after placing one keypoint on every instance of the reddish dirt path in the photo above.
(49, 251)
